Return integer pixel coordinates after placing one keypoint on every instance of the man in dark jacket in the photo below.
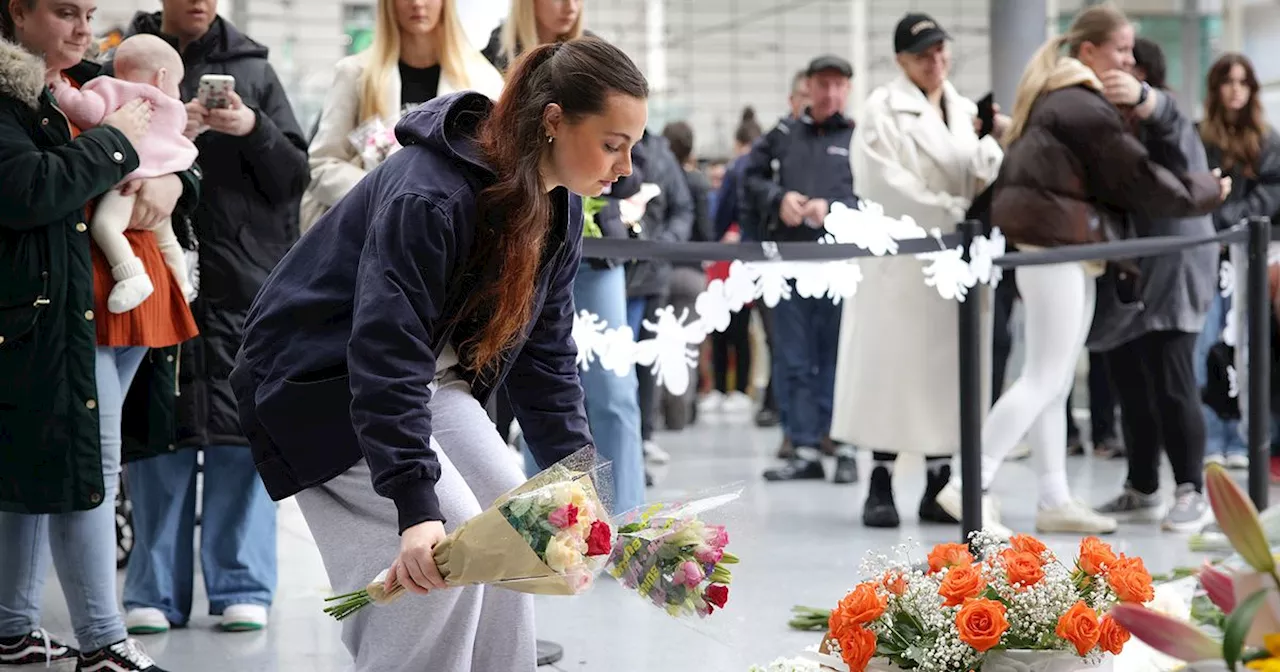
(791, 178)
(669, 218)
(255, 168)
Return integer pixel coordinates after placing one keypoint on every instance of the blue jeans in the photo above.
(1222, 437)
(806, 340)
(237, 532)
(83, 543)
(612, 406)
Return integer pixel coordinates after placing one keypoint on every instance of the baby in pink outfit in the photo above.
(146, 67)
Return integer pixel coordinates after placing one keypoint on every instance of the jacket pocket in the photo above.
(19, 316)
(309, 421)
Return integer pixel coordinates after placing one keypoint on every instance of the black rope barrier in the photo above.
(1256, 234)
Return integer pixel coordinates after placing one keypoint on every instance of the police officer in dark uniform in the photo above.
(792, 176)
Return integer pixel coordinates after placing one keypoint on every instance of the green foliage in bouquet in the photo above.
(590, 206)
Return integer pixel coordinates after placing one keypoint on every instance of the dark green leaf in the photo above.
(1237, 627)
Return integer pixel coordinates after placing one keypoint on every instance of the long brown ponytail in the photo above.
(579, 76)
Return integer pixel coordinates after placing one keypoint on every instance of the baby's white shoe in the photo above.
(132, 287)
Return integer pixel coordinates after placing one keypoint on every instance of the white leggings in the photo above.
(1058, 304)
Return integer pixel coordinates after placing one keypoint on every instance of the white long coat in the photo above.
(897, 378)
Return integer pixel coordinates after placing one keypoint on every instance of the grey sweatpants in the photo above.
(471, 629)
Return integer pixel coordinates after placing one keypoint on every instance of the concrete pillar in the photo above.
(1017, 31)
(1189, 95)
(1233, 25)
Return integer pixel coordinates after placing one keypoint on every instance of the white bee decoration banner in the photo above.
(672, 350)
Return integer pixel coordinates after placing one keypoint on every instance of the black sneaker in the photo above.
(930, 511)
(767, 417)
(846, 470)
(797, 469)
(879, 510)
(125, 656)
(37, 648)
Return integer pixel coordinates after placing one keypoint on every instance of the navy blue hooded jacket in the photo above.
(341, 343)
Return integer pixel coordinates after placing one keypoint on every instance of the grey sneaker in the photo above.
(1190, 511)
(1134, 507)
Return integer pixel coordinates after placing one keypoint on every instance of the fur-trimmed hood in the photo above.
(21, 74)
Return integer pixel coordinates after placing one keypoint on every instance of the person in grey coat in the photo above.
(1147, 323)
(669, 218)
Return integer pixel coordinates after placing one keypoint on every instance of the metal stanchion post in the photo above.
(1259, 329)
(971, 399)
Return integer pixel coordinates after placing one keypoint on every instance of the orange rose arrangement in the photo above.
(969, 605)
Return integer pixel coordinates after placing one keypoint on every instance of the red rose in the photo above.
(599, 539)
(717, 594)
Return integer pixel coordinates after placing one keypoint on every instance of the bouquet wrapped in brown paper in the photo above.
(549, 536)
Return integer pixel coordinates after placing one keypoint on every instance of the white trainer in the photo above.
(949, 499)
(1074, 517)
(146, 621)
(244, 618)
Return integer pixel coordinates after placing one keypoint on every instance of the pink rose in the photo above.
(716, 536)
(688, 573)
(564, 516)
(708, 555)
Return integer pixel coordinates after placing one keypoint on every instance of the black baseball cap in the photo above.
(917, 32)
(829, 62)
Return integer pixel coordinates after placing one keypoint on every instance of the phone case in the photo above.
(214, 93)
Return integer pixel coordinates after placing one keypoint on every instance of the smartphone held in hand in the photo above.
(215, 91)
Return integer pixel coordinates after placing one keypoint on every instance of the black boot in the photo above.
(930, 512)
(879, 510)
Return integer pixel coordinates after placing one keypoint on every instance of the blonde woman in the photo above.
(533, 22)
(1072, 173)
(915, 152)
(419, 52)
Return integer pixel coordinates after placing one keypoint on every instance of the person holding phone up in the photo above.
(255, 167)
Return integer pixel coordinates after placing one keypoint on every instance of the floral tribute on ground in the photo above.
(961, 610)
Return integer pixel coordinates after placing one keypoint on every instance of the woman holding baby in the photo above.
(66, 358)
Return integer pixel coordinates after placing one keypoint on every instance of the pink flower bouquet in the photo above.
(670, 557)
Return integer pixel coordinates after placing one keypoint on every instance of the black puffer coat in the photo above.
(246, 221)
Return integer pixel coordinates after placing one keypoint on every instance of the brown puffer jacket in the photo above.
(1076, 171)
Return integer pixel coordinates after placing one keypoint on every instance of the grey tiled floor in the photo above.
(800, 543)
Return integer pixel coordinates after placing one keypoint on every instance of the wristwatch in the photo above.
(1146, 93)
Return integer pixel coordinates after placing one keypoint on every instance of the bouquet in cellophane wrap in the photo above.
(374, 141)
(549, 536)
(668, 555)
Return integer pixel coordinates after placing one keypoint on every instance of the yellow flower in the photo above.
(1272, 644)
(1264, 665)
(561, 556)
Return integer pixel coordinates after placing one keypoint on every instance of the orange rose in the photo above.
(981, 624)
(960, 584)
(1028, 544)
(1023, 567)
(1112, 636)
(1079, 626)
(857, 646)
(1130, 580)
(1095, 555)
(894, 582)
(948, 555)
(861, 606)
